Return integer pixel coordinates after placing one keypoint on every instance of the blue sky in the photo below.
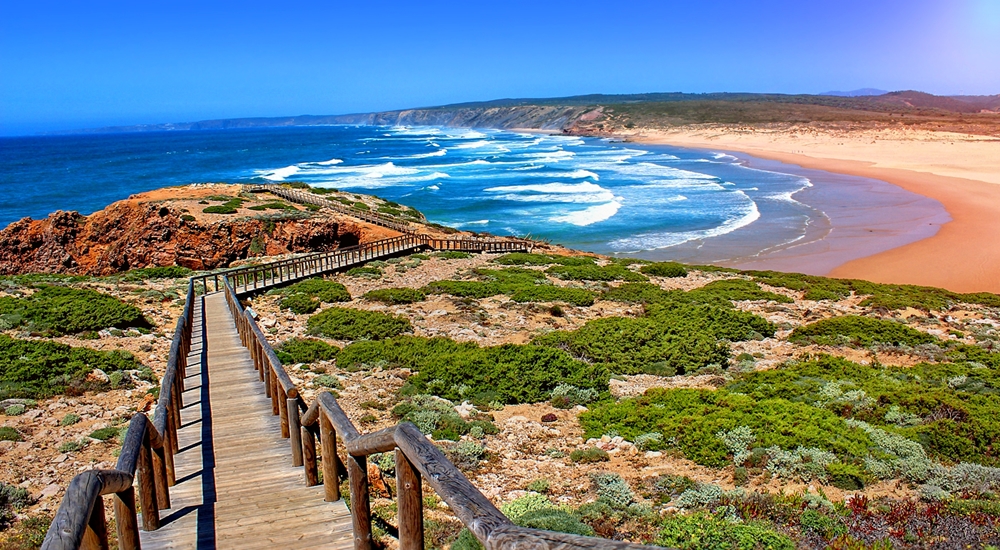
(66, 65)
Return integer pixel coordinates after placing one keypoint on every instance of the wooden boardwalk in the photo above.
(236, 486)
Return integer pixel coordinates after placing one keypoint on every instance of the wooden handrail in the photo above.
(149, 445)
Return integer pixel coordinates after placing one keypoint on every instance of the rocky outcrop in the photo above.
(134, 233)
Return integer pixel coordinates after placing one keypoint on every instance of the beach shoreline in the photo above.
(961, 256)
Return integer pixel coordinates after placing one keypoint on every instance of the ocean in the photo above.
(586, 193)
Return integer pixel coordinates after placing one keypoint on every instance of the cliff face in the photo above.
(133, 234)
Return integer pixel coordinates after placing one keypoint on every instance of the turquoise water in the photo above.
(589, 194)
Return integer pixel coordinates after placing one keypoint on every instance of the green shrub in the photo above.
(612, 489)
(104, 434)
(589, 455)
(508, 373)
(610, 272)
(555, 519)
(396, 295)
(365, 271)
(305, 350)
(462, 289)
(540, 485)
(704, 530)
(664, 269)
(692, 418)
(272, 205)
(326, 381)
(821, 524)
(522, 258)
(740, 289)
(549, 293)
(231, 205)
(69, 419)
(15, 410)
(12, 499)
(299, 303)
(859, 331)
(72, 446)
(151, 273)
(879, 295)
(8, 433)
(355, 324)
(515, 373)
(39, 368)
(437, 417)
(955, 403)
(62, 310)
(452, 255)
(849, 477)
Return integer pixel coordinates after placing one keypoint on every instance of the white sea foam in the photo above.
(475, 222)
(653, 241)
(330, 162)
(281, 173)
(585, 192)
(588, 216)
(472, 144)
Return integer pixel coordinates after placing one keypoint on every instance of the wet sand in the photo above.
(963, 255)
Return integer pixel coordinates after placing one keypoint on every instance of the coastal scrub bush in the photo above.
(355, 324)
(69, 419)
(664, 269)
(325, 291)
(272, 205)
(299, 303)
(396, 295)
(57, 310)
(879, 295)
(692, 418)
(12, 499)
(16, 409)
(612, 489)
(8, 433)
(673, 337)
(39, 368)
(104, 434)
(326, 381)
(859, 331)
(462, 289)
(436, 417)
(464, 371)
(706, 530)
(740, 289)
(365, 271)
(231, 206)
(452, 255)
(591, 272)
(305, 350)
(523, 258)
(533, 511)
(589, 455)
(955, 422)
(550, 293)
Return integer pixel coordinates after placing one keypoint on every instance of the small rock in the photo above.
(60, 458)
(550, 417)
(50, 490)
(97, 375)
(653, 454)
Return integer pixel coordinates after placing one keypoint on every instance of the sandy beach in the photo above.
(960, 171)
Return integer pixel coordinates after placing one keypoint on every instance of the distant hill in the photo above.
(605, 112)
(857, 93)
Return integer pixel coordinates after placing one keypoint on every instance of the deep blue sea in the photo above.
(585, 193)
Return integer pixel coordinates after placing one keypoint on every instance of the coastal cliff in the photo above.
(166, 227)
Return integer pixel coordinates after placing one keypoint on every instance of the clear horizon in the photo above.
(68, 66)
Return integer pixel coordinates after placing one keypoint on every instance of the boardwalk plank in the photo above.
(236, 486)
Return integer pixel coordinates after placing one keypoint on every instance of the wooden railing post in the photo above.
(361, 514)
(309, 456)
(410, 504)
(126, 520)
(294, 433)
(147, 488)
(328, 442)
(160, 477)
(283, 406)
(97, 528)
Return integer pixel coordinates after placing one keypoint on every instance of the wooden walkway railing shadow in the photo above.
(213, 458)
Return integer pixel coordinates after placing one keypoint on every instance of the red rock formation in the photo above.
(135, 233)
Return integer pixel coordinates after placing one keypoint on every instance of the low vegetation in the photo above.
(55, 310)
(860, 331)
(395, 296)
(305, 350)
(354, 324)
(39, 368)
(306, 296)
